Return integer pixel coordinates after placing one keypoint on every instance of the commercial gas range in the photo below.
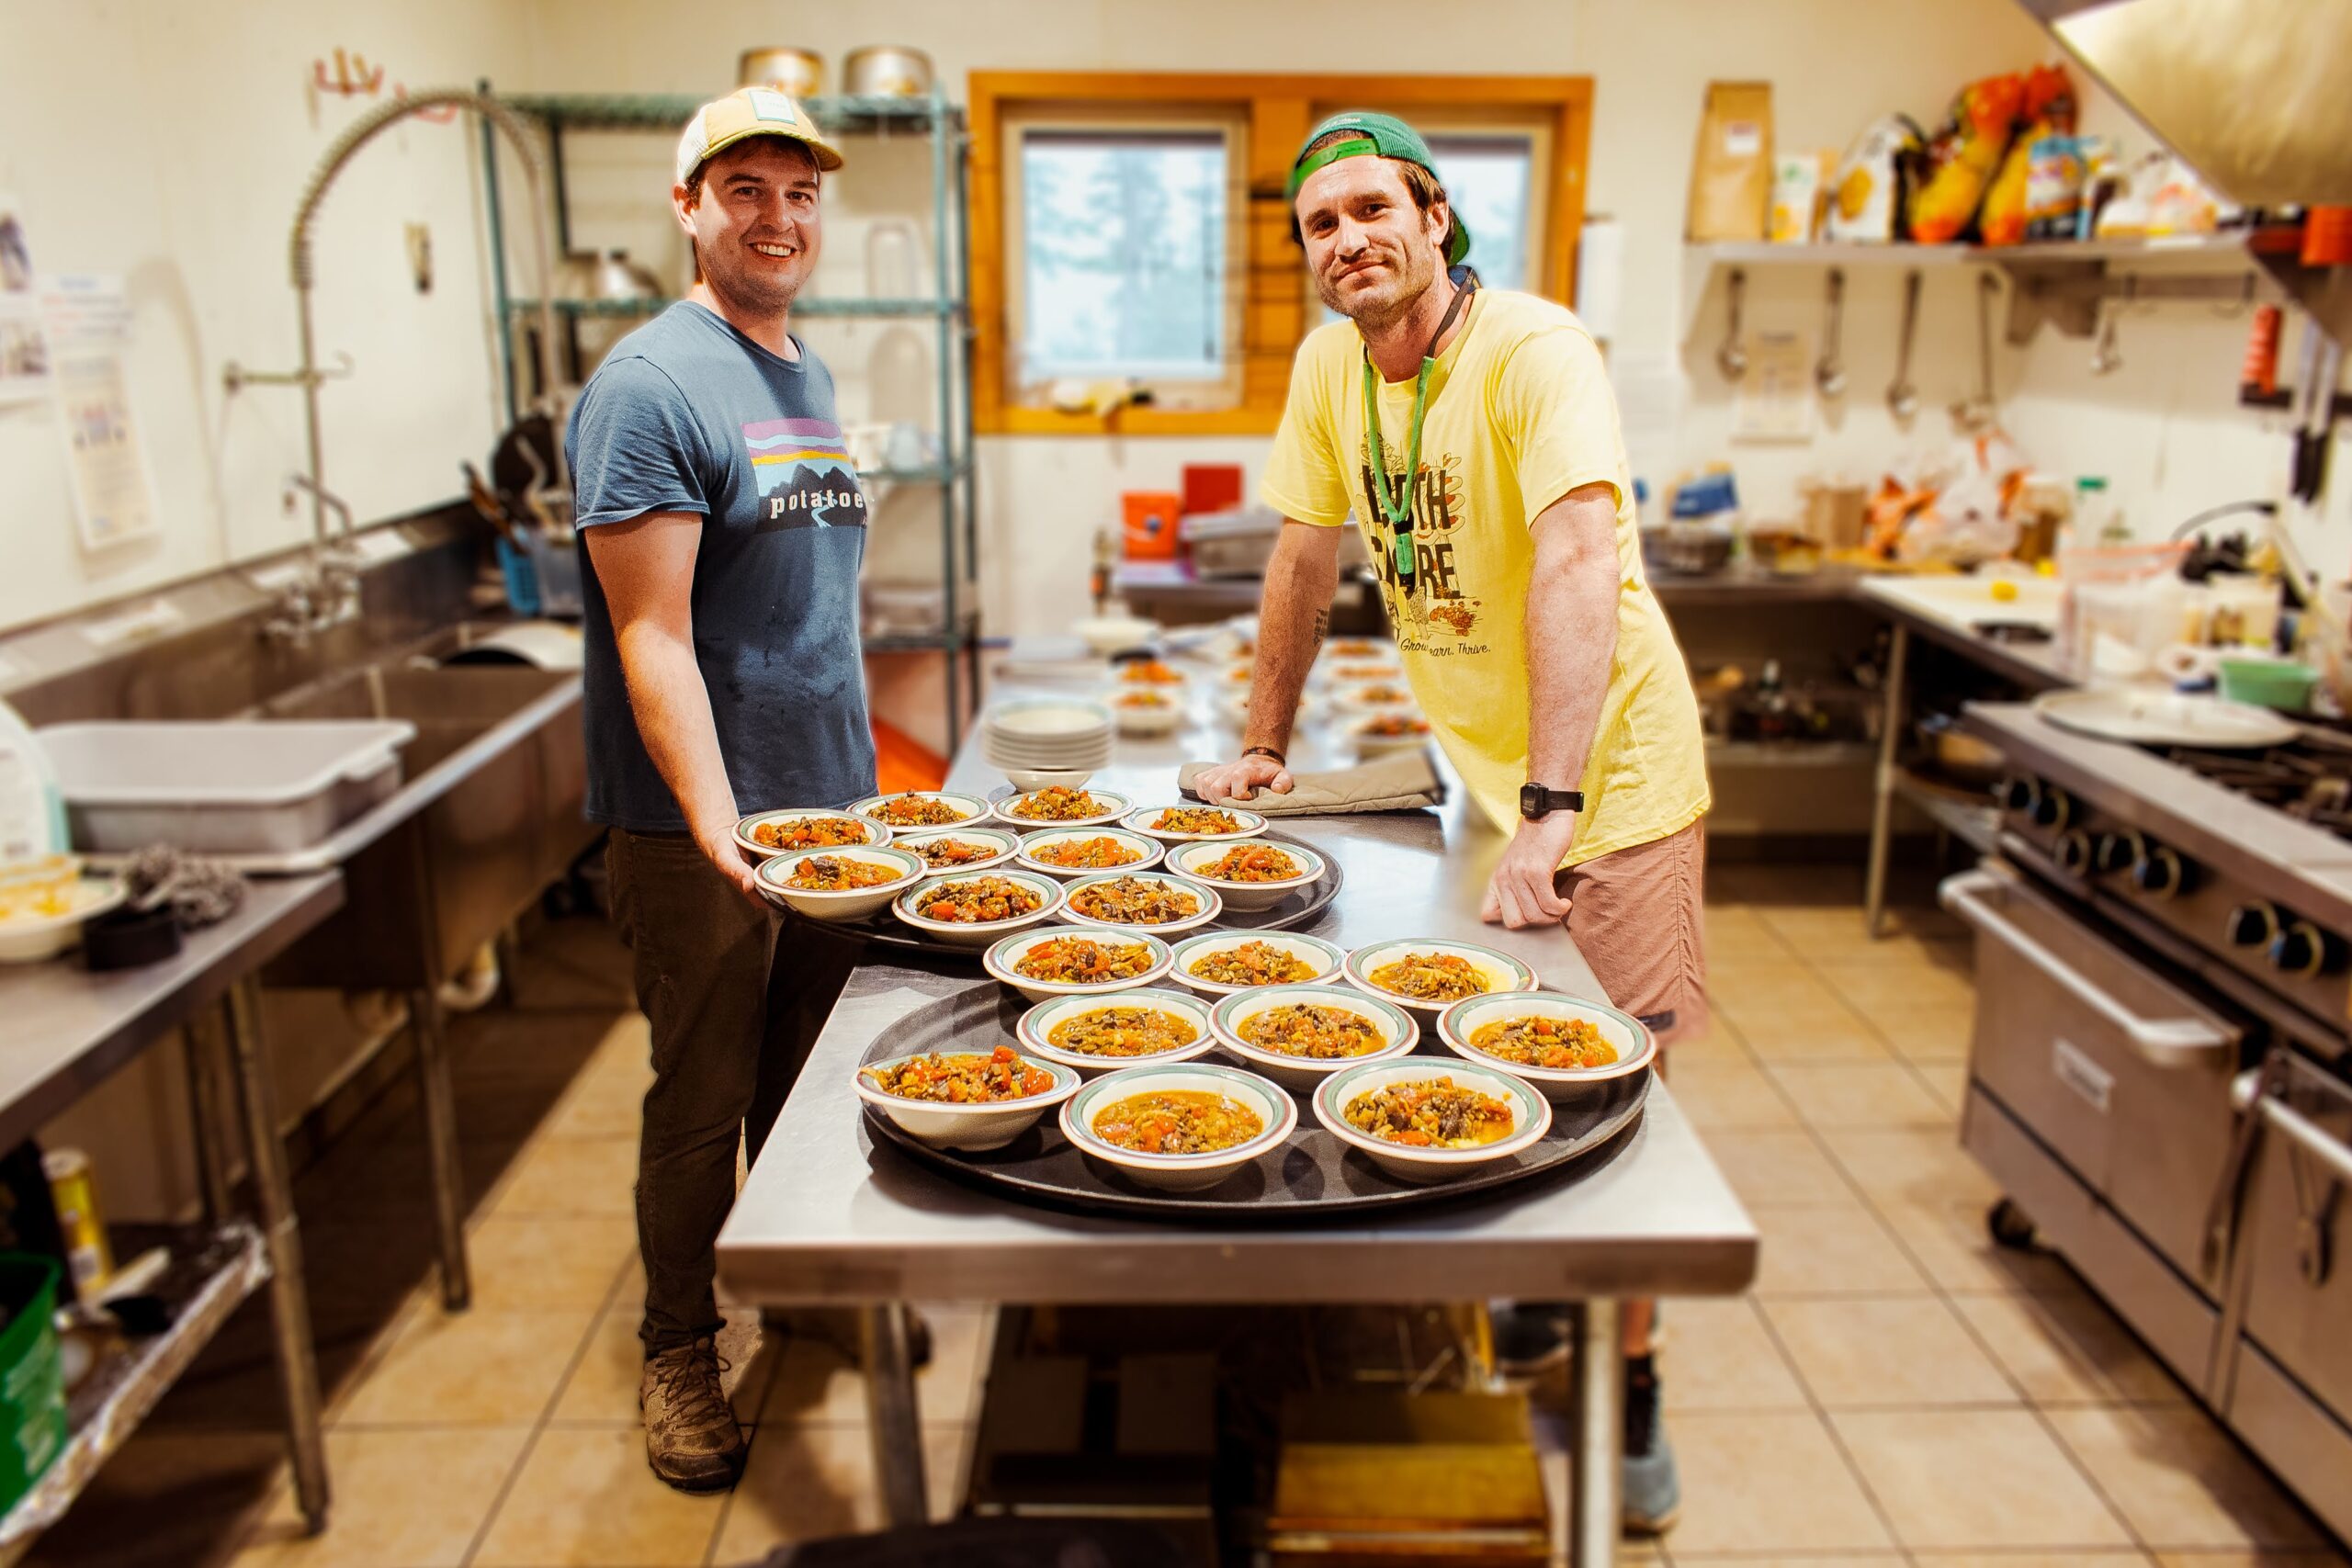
(2161, 1066)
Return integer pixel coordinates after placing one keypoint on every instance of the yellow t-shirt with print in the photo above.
(1519, 413)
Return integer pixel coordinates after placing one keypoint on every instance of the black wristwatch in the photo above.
(1535, 802)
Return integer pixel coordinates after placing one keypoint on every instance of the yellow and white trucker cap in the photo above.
(746, 112)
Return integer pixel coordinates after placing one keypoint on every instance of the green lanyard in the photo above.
(1399, 511)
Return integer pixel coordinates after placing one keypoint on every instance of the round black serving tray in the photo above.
(1312, 1177)
(1302, 908)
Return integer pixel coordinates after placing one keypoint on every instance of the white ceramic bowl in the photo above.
(1235, 707)
(850, 903)
(1323, 957)
(746, 830)
(1028, 781)
(1147, 849)
(961, 933)
(1398, 1032)
(975, 810)
(1356, 701)
(1347, 674)
(1359, 651)
(1004, 955)
(1211, 905)
(1036, 1027)
(1165, 719)
(1115, 806)
(1636, 1046)
(1107, 635)
(1146, 820)
(1190, 860)
(29, 938)
(1500, 970)
(1532, 1115)
(1178, 1173)
(969, 1127)
(1005, 842)
(1045, 721)
(1367, 744)
(1125, 679)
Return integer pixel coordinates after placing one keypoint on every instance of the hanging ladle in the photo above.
(1731, 358)
(2106, 357)
(1829, 372)
(1903, 398)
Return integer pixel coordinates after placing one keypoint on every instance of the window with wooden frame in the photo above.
(1188, 282)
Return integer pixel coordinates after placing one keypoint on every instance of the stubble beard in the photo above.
(750, 294)
(1378, 311)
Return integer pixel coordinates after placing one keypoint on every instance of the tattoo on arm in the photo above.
(1322, 626)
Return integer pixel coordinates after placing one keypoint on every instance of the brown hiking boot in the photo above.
(691, 1439)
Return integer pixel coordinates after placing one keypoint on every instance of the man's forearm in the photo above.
(1294, 614)
(672, 708)
(1571, 649)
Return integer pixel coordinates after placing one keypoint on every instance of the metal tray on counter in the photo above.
(1313, 1175)
(1296, 912)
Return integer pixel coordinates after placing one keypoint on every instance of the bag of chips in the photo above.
(1962, 157)
(1870, 189)
(2047, 113)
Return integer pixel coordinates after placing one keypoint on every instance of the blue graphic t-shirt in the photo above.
(687, 414)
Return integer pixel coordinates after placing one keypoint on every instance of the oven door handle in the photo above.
(2163, 1042)
(2315, 1139)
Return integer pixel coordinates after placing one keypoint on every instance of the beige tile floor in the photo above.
(1893, 1390)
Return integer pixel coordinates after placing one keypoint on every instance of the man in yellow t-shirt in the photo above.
(1473, 435)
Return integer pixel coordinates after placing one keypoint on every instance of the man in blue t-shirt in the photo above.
(724, 527)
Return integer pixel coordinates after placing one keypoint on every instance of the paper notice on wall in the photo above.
(88, 318)
(1775, 398)
(24, 350)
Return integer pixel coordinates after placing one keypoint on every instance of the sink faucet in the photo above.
(327, 592)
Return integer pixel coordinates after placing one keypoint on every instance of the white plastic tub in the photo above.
(227, 787)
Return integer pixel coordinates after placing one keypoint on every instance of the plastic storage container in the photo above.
(227, 787)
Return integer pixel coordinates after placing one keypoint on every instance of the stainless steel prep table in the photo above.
(68, 1030)
(824, 1218)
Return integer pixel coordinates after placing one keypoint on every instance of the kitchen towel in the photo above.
(1402, 783)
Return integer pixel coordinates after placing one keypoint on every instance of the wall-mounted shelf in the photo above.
(669, 111)
(654, 304)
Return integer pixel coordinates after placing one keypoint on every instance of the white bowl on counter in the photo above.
(1029, 781)
(1210, 906)
(1368, 743)
(1004, 844)
(972, 1128)
(1532, 1115)
(1003, 958)
(1636, 1046)
(1398, 1032)
(1375, 697)
(1114, 807)
(30, 938)
(1107, 635)
(1323, 957)
(968, 808)
(775, 873)
(1500, 971)
(1146, 850)
(1146, 820)
(1138, 721)
(1193, 861)
(1129, 677)
(1036, 1027)
(976, 933)
(1178, 1173)
(1235, 707)
(747, 830)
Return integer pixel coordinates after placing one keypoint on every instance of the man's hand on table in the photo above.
(1240, 779)
(1521, 893)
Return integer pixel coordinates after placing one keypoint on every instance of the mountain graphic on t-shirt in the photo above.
(805, 476)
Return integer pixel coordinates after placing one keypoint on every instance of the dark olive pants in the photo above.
(736, 995)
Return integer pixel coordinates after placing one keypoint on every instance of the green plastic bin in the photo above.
(32, 1381)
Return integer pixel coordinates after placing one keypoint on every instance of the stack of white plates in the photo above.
(1052, 740)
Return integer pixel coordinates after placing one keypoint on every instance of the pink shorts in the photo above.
(1635, 917)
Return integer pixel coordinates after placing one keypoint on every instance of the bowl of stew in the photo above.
(1563, 1045)
(972, 909)
(1428, 974)
(915, 809)
(1127, 1029)
(1426, 1119)
(1299, 1035)
(1152, 900)
(1179, 1128)
(1046, 962)
(766, 834)
(1386, 733)
(1071, 852)
(839, 884)
(960, 849)
(1224, 963)
(1187, 823)
(965, 1100)
(1061, 806)
(1256, 873)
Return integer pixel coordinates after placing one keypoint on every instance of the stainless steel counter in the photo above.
(825, 1216)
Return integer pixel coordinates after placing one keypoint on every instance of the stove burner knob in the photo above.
(2016, 793)
(2051, 809)
(2251, 925)
(2157, 872)
(2117, 850)
(2073, 852)
(2300, 949)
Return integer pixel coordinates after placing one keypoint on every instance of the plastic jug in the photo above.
(32, 814)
